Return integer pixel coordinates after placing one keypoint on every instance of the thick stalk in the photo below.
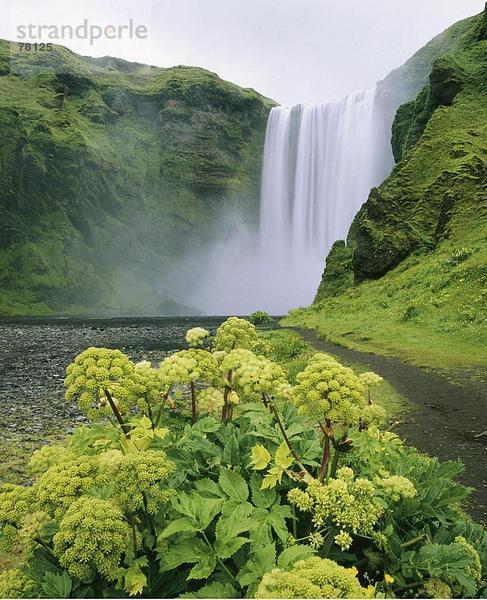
(148, 516)
(326, 451)
(161, 407)
(125, 428)
(193, 404)
(324, 460)
(149, 411)
(226, 413)
(413, 541)
(334, 463)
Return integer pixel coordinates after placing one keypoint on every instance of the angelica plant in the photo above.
(332, 395)
(189, 367)
(235, 333)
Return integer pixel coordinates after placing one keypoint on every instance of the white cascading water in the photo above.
(320, 162)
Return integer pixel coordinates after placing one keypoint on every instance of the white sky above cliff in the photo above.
(291, 50)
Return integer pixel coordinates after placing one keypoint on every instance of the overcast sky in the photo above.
(291, 50)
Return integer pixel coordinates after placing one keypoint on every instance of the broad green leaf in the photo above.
(237, 510)
(261, 498)
(57, 585)
(184, 524)
(261, 532)
(135, 580)
(187, 551)
(269, 481)
(231, 450)
(295, 429)
(260, 457)
(234, 485)
(207, 425)
(201, 510)
(226, 549)
(209, 488)
(283, 458)
(290, 555)
(204, 567)
(213, 590)
(144, 422)
(261, 561)
(277, 517)
(229, 527)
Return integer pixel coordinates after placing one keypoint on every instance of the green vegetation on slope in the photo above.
(108, 171)
(411, 278)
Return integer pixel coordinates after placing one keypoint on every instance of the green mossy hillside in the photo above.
(411, 277)
(108, 171)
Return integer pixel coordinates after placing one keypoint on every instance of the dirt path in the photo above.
(446, 420)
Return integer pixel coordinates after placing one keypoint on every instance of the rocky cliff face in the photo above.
(439, 139)
(109, 171)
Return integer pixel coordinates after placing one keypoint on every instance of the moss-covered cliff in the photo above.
(414, 261)
(109, 171)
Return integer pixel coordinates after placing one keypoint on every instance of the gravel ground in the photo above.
(33, 357)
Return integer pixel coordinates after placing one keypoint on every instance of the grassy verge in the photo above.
(292, 352)
(430, 310)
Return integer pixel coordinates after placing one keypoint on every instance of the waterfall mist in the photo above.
(319, 164)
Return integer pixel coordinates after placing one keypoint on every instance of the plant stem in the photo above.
(413, 541)
(193, 403)
(149, 517)
(161, 407)
(324, 460)
(218, 559)
(326, 450)
(125, 428)
(43, 544)
(149, 410)
(134, 537)
(226, 413)
(334, 464)
(283, 433)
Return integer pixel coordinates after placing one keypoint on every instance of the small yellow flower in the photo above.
(388, 578)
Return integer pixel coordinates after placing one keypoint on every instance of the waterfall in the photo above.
(319, 164)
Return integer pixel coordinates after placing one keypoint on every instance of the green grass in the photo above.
(430, 310)
(288, 349)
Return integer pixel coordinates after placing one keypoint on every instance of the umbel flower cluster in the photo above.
(326, 390)
(92, 533)
(190, 366)
(313, 578)
(197, 336)
(347, 504)
(94, 372)
(92, 537)
(235, 333)
(254, 375)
